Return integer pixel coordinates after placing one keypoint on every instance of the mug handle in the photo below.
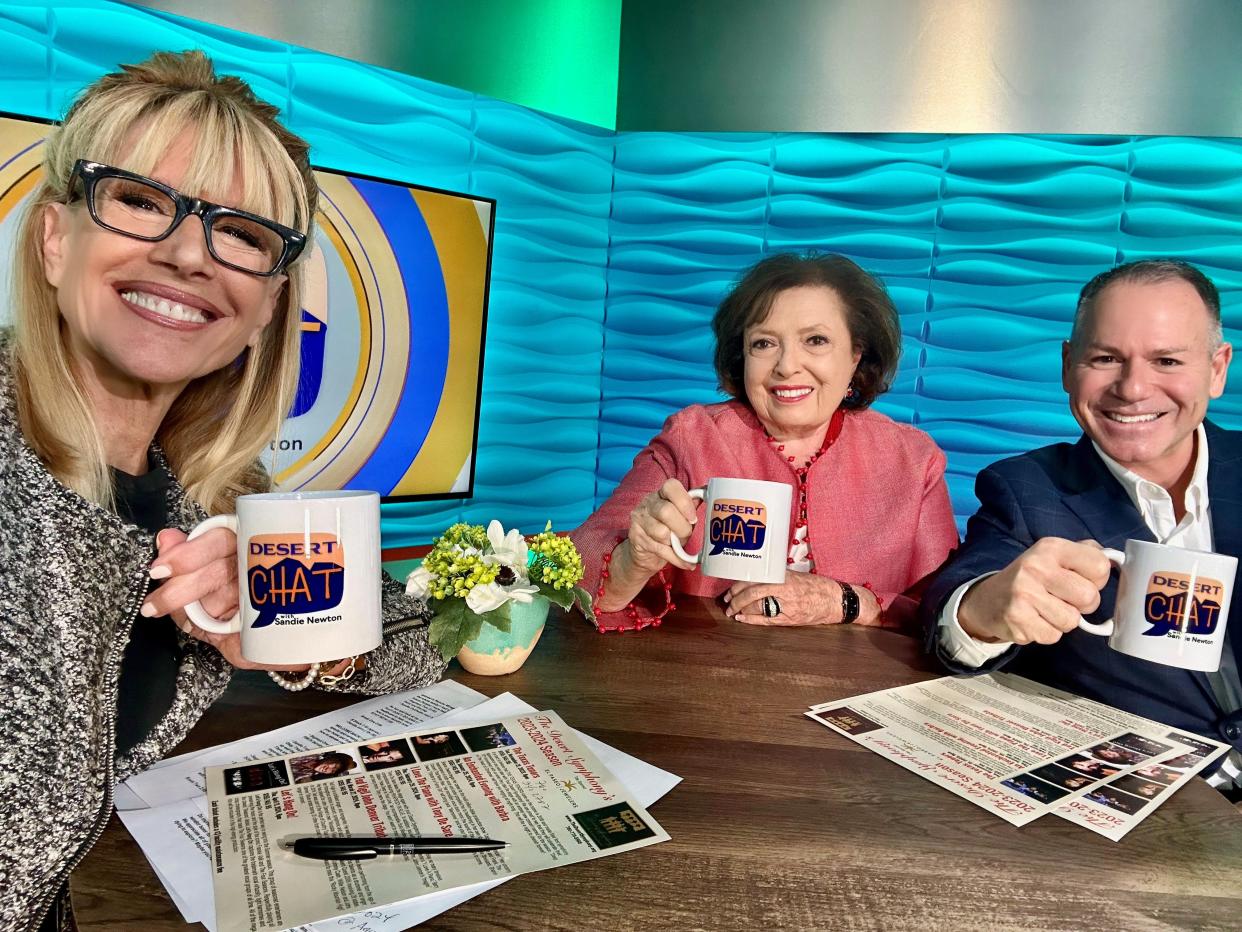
(1105, 628)
(676, 544)
(195, 610)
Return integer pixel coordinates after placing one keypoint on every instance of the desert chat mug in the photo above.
(308, 570)
(1172, 605)
(747, 530)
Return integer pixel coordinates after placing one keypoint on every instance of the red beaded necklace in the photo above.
(801, 533)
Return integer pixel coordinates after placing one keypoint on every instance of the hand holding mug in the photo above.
(1038, 597)
(202, 570)
(666, 513)
(205, 570)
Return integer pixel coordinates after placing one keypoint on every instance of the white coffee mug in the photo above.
(1172, 605)
(308, 567)
(746, 532)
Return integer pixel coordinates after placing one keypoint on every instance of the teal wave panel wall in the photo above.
(612, 250)
(686, 213)
(983, 241)
(551, 178)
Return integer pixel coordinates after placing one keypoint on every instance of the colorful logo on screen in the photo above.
(1166, 610)
(293, 574)
(397, 274)
(737, 525)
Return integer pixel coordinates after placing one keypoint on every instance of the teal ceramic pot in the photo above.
(496, 652)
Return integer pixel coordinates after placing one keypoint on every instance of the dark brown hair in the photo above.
(1147, 272)
(870, 316)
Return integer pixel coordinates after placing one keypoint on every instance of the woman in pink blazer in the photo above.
(804, 345)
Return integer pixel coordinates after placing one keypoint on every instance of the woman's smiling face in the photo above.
(799, 361)
(139, 315)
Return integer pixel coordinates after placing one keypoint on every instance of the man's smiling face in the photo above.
(1141, 373)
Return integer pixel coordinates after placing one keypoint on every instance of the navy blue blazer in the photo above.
(1065, 490)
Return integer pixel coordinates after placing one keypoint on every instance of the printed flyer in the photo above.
(1115, 806)
(528, 780)
(178, 778)
(1022, 750)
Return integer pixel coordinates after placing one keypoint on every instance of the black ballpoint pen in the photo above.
(361, 849)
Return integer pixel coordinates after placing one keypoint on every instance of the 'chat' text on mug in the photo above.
(1165, 605)
(291, 574)
(737, 525)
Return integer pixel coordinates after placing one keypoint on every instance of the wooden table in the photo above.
(780, 823)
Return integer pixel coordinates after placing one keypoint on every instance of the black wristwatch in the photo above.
(849, 603)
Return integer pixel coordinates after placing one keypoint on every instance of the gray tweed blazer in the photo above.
(72, 580)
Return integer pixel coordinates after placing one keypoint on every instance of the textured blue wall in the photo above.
(612, 250)
(552, 180)
(984, 242)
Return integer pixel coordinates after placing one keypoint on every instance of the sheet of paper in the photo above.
(182, 907)
(528, 780)
(1012, 746)
(125, 799)
(1117, 805)
(182, 777)
(175, 838)
(647, 784)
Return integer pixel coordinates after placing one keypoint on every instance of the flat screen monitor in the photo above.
(393, 322)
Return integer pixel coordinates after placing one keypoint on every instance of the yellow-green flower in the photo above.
(455, 562)
(556, 562)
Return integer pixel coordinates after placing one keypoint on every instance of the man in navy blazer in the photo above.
(1145, 356)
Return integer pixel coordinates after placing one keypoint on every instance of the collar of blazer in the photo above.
(1099, 501)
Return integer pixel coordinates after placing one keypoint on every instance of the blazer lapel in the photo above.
(1225, 500)
(1224, 493)
(1099, 501)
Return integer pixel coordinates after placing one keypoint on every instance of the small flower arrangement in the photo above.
(472, 575)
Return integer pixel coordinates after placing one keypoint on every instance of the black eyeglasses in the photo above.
(145, 209)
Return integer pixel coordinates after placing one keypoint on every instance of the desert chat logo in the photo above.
(1165, 604)
(293, 575)
(737, 525)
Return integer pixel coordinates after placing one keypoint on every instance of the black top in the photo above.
(152, 657)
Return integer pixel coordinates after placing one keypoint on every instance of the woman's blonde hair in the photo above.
(220, 424)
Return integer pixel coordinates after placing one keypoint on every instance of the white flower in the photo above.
(507, 549)
(489, 596)
(419, 582)
(519, 593)
(485, 597)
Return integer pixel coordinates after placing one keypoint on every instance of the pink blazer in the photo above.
(878, 510)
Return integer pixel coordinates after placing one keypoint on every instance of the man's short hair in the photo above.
(1148, 272)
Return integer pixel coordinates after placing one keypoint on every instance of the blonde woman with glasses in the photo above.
(153, 355)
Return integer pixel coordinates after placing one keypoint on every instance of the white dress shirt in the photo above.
(1193, 532)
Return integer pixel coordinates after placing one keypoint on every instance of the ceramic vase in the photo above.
(495, 652)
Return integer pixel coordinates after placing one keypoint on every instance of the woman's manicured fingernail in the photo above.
(728, 596)
(161, 572)
(148, 610)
